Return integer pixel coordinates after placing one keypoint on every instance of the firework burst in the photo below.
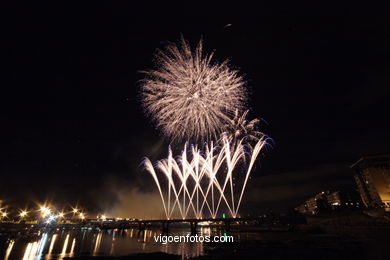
(240, 128)
(189, 96)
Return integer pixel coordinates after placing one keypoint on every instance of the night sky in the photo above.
(73, 128)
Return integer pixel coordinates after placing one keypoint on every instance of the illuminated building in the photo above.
(373, 180)
(314, 204)
(334, 199)
(327, 201)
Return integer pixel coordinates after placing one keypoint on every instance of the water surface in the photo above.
(57, 244)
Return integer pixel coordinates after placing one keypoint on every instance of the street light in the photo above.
(45, 211)
(82, 216)
(50, 219)
(23, 214)
(3, 215)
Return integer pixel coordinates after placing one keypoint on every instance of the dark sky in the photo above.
(72, 124)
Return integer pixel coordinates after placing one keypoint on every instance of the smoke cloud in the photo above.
(134, 203)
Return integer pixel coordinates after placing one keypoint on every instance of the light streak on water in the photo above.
(97, 243)
(63, 253)
(9, 249)
(144, 238)
(31, 251)
(72, 247)
(53, 240)
(52, 245)
(27, 251)
(42, 243)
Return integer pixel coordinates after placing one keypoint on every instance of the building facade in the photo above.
(327, 201)
(372, 177)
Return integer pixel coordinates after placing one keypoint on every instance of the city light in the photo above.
(50, 219)
(45, 211)
(3, 215)
(23, 213)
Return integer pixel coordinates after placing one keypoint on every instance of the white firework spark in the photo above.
(197, 185)
(188, 96)
(240, 128)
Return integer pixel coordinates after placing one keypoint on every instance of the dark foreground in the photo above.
(353, 243)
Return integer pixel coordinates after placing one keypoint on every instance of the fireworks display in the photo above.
(199, 182)
(240, 128)
(190, 97)
(195, 100)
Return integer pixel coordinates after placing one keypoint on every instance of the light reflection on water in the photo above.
(68, 243)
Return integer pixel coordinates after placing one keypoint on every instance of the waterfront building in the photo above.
(372, 177)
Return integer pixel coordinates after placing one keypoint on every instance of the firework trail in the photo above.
(189, 96)
(192, 98)
(240, 128)
(197, 185)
